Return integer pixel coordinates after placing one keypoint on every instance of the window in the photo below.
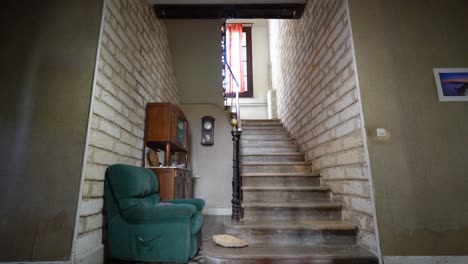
(247, 61)
(244, 54)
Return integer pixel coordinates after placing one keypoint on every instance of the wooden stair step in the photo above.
(295, 254)
(256, 121)
(281, 179)
(295, 232)
(291, 163)
(258, 156)
(276, 154)
(281, 174)
(292, 150)
(294, 205)
(264, 132)
(274, 127)
(245, 141)
(291, 225)
(290, 194)
(265, 136)
(295, 188)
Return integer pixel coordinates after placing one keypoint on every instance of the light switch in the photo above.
(381, 132)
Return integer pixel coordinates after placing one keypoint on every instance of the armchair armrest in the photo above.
(158, 213)
(197, 202)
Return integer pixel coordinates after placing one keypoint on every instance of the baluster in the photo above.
(236, 183)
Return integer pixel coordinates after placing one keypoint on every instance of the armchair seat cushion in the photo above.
(158, 213)
(197, 202)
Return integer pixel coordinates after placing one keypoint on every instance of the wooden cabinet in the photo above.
(167, 129)
(174, 183)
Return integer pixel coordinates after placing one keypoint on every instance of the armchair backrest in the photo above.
(130, 186)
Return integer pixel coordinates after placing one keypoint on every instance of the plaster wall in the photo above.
(420, 171)
(211, 164)
(196, 50)
(48, 52)
(195, 46)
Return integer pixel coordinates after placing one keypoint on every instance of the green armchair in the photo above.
(140, 227)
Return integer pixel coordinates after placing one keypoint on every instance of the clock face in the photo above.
(207, 125)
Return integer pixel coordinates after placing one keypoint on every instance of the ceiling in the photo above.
(215, 9)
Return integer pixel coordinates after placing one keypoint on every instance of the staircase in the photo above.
(288, 216)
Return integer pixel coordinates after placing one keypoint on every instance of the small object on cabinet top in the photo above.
(153, 158)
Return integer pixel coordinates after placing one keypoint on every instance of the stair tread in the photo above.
(278, 253)
(291, 225)
(280, 146)
(261, 119)
(264, 127)
(244, 124)
(280, 174)
(282, 188)
(256, 121)
(315, 204)
(276, 154)
(267, 163)
(265, 139)
(265, 133)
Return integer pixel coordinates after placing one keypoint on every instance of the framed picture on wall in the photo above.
(452, 84)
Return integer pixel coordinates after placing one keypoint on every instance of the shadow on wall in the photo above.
(212, 164)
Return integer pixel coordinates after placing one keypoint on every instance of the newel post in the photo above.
(236, 181)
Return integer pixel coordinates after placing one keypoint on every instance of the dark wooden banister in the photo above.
(237, 212)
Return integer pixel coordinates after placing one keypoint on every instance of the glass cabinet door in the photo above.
(180, 127)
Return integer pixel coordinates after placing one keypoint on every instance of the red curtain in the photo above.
(234, 57)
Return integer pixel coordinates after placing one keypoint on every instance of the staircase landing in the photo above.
(296, 254)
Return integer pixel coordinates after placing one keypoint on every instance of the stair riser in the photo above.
(263, 150)
(275, 168)
(260, 137)
(294, 260)
(295, 237)
(264, 131)
(285, 196)
(294, 158)
(259, 143)
(267, 127)
(280, 181)
(260, 122)
(290, 214)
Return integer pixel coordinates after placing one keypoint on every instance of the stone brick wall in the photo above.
(313, 74)
(134, 67)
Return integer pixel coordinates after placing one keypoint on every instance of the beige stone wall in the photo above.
(134, 67)
(313, 74)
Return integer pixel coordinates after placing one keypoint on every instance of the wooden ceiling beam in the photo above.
(216, 11)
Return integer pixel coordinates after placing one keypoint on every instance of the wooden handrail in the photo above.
(237, 212)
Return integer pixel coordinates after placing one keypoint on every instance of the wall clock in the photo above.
(207, 132)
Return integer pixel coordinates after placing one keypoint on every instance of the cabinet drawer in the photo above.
(181, 174)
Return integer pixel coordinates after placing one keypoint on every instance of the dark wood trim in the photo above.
(248, 35)
(236, 184)
(216, 11)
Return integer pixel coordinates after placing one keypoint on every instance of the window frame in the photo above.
(248, 43)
